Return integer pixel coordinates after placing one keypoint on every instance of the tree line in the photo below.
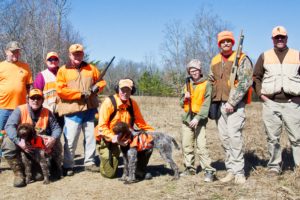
(42, 26)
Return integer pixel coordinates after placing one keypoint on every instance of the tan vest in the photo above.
(221, 71)
(197, 97)
(283, 75)
(49, 91)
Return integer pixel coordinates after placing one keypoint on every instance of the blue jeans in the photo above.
(74, 124)
(4, 114)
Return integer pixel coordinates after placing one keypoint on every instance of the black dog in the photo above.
(161, 141)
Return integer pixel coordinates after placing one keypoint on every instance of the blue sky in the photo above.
(133, 29)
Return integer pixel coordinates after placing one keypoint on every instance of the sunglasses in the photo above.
(38, 98)
(52, 59)
(277, 37)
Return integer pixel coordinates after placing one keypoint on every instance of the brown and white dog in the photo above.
(162, 142)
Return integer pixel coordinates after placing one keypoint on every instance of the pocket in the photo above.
(292, 86)
(268, 85)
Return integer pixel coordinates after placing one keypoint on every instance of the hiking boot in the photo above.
(239, 179)
(188, 172)
(148, 176)
(38, 176)
(68, 171)
(209, 176)
(229, 177)
(273, 172)
(92, 168)
(16, 166)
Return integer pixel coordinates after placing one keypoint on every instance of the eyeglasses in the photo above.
(277, 37)
(38, 98)
(52, 59)
(226, 40)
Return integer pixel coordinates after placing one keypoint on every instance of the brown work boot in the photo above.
(16, 166)
(229, 177)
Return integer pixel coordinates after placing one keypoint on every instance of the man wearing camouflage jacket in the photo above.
(231, 101)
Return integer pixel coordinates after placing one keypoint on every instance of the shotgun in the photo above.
(236, 60)
(95, 88)
(188, 88)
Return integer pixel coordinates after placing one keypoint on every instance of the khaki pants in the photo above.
(190, 138)
(108, 165)
(230, 126)
(274, 116)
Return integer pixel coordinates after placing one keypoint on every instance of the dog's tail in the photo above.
(175, 144)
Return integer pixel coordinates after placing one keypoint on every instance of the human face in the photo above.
(35, 102)
(280, 41)
(124, 93)
(12, 56)
(226, 46)
(52, 62)
(195, 74)
(76, 58)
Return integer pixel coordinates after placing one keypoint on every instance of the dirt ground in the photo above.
(164, 115)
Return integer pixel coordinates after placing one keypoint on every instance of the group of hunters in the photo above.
(60, 101)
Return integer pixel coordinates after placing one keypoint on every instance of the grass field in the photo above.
(164, 114)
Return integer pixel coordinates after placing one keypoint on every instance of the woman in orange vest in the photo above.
(195, 100)
(46, 82)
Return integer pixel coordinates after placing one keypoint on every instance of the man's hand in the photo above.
(49, 142)
(116, 139)
(85, 95)
(264, 98)
(194, 123)
(23, 146)
(228, 107)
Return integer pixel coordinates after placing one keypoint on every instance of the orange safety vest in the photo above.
(49, 90)
(197, 97)
(142, 141)
(41, 124)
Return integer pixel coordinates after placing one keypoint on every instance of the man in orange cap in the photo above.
(125, 110)
(44, 122)
(230, 113)
(78, 105)
(276, 77)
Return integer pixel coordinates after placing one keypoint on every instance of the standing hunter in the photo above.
(277, 74)
(78, 105)
(195, 100)
(231, 100)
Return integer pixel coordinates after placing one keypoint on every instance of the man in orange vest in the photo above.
(197, 97)
(108, 142)
(276, 77)
(44, 122)
(231, 111)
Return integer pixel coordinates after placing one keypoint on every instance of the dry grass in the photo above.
(164, 114)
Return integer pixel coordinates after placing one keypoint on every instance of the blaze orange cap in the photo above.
(225, 35)
(35, 92)
(279, 30)
(75, 48)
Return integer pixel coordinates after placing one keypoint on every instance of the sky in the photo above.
(133, 29)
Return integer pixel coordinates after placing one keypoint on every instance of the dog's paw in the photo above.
(29, 180)
(127, 182)
(175, 178)
(46, 182)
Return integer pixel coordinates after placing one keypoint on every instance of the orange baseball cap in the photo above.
(225, 35)
(75, 48)
(35, 92)
(51, 54)
(279, 30)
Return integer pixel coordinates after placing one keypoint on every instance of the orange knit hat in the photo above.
(225, 35)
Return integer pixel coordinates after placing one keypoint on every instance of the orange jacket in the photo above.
(105, 126)
(71, 82)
